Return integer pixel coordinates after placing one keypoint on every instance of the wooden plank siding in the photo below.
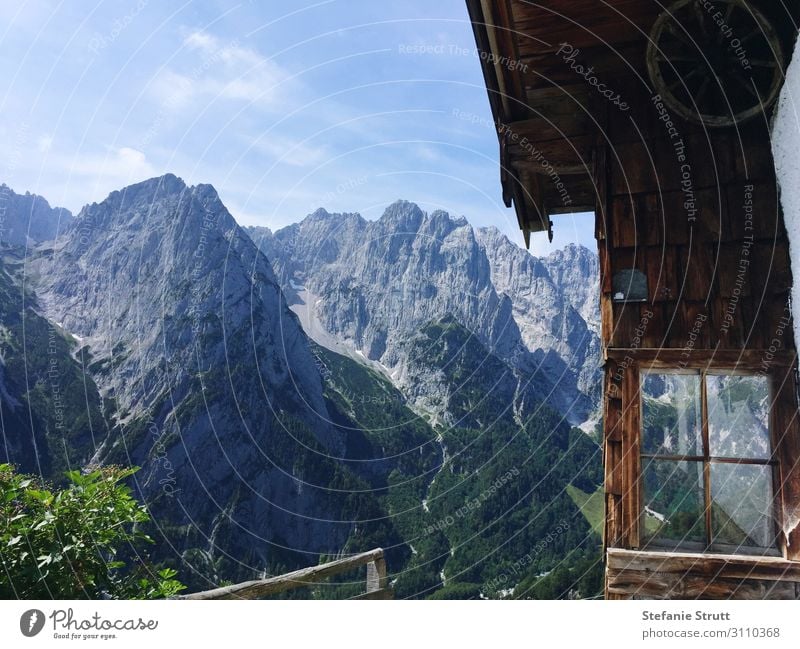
(718, 285)
(668, 575)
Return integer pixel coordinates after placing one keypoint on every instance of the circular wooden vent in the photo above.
(715, 62)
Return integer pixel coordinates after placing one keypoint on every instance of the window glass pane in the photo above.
(671, 414)
(741, 511)
(738, 416)
(674, 501)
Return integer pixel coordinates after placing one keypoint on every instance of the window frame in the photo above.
(707, 460)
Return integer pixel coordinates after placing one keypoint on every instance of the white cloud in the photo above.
(230, 52)
(72, 180)
(198, 40)
(223, 70)
(427, 153)
(117, 168)
(44, 143)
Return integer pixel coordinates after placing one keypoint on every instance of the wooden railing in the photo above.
(377, 583)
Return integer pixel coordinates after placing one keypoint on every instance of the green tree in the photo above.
(69, 543)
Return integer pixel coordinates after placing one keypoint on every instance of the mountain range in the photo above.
(334, 386)
(365, 287)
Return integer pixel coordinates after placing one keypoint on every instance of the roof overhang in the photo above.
(552, 70)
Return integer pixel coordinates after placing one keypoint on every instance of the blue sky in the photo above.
(283, 107)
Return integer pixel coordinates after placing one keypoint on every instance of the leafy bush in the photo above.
(69, 543)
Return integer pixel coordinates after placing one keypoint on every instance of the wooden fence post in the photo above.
(376, 575)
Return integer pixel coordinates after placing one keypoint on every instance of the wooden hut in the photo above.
(656, 116)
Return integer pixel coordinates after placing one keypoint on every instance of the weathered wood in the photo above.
(606, 320)
(600, 182)
(544, 128)
(503, 35)
(667, 575)
(566, 155)
(584, 23)
(635, 586)
(631, 496)
(614, 470)
(721, 359)
(376, 575)
(612, 532)
(735, 566)
(303, 577)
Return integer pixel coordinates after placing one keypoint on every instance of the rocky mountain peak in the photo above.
(370, 288)
(150, 189)
(321, 218)
(441, 224)
(403, 215)
(573, 252)
(163, 208)
(318, 214)
(27, 218)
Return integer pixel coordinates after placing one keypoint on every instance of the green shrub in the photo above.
(69, 543)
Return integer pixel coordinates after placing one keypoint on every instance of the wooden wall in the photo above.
(698, 214)
(699, 576)
(718, 272)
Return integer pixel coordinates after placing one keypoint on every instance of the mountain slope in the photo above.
(555, 304)
(262, 451)
(27, 219)
(217, 393)
(51, 413)
(510, 461)
(365, 287)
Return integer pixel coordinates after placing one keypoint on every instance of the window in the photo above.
(707, 466)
